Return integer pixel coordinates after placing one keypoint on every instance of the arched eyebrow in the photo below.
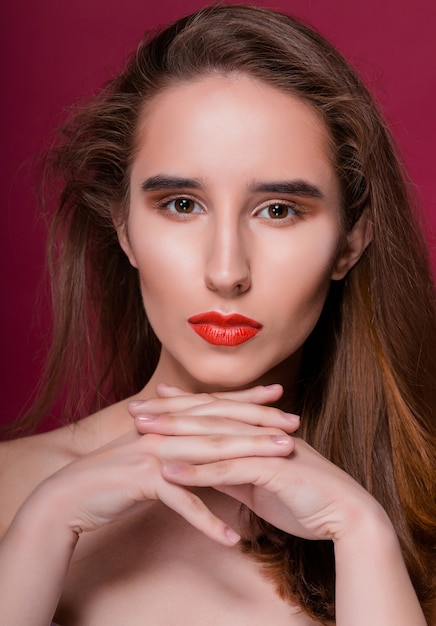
(300, 188)
(169, 183)
(297, 187)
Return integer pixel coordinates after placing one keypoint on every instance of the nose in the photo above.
(227, 269)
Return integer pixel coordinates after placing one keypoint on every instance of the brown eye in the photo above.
(184, 205)
(279, 211)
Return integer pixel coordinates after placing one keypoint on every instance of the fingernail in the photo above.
(281, 440)
(145, 417)
(290, 417)
(136, 403)
(274, 386)
(172, 468)
(231, 535)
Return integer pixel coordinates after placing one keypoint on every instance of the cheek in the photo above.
(308, 258)
(163, 264)
(305, 275)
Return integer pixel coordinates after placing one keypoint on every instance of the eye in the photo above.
(277, 211)
(183, 205)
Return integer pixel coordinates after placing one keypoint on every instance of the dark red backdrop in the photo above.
(54, 52)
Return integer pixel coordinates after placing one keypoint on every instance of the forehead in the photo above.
(209, 90)
(234, 120)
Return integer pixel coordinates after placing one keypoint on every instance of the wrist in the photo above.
(35, 554)
(372, 531)
(372, 582)
(41, 519)
(365, 519)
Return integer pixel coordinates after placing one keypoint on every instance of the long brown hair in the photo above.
(367, 392)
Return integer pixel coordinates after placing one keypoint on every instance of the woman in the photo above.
(233, 245)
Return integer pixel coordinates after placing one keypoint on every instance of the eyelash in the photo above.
(164, 205)
(275, 204)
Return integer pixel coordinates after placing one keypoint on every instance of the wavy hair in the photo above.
(367, 388)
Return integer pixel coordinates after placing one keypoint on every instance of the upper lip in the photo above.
(221, 319)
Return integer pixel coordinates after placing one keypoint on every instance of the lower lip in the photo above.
(224, 335)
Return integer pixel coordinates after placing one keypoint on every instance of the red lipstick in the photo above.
(224, 330)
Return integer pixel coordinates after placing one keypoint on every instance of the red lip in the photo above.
(224, 330)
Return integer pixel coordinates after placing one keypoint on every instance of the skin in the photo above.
(97, 516)
(228, 254)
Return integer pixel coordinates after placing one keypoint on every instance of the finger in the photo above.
(188, 425)
(194, 511)
(245, 412)
(208, 425)
(170, 391)
(227, 412)
(169, 404)
(241, 471)
(173, 399)
(212, 448)
(262, 394)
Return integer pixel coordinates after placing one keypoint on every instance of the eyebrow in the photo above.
(170, 182)
(300, 188)
(297, 187)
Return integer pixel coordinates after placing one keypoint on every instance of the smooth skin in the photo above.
(234, 207)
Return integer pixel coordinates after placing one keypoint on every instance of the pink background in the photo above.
(54, 52)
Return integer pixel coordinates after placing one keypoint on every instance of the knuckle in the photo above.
(168, 422)
(194, 501)
(214, 422)
(149, 463)
(269, 413)
(152, 441)
(216, 441)
(204, 398)
(221, 468)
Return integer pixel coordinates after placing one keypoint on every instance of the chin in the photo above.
(227, 380)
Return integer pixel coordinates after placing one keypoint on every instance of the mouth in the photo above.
(224, 330)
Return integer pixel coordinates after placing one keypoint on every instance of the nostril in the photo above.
(224, 285)
(243, 287)
(227, 269)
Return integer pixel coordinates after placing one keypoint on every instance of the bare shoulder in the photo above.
(26, 462)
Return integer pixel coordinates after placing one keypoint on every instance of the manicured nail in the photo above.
(136, 403)
(172, 468)
(145, 417)
(290, 417)
(231, 535)
(281, 440)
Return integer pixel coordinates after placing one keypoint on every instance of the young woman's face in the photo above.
(234, 211)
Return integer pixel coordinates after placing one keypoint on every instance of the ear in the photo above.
(123, 237)
(353, 247)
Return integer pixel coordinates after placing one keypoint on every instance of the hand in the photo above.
(302, 493)
(126, 475)
(177, 412)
